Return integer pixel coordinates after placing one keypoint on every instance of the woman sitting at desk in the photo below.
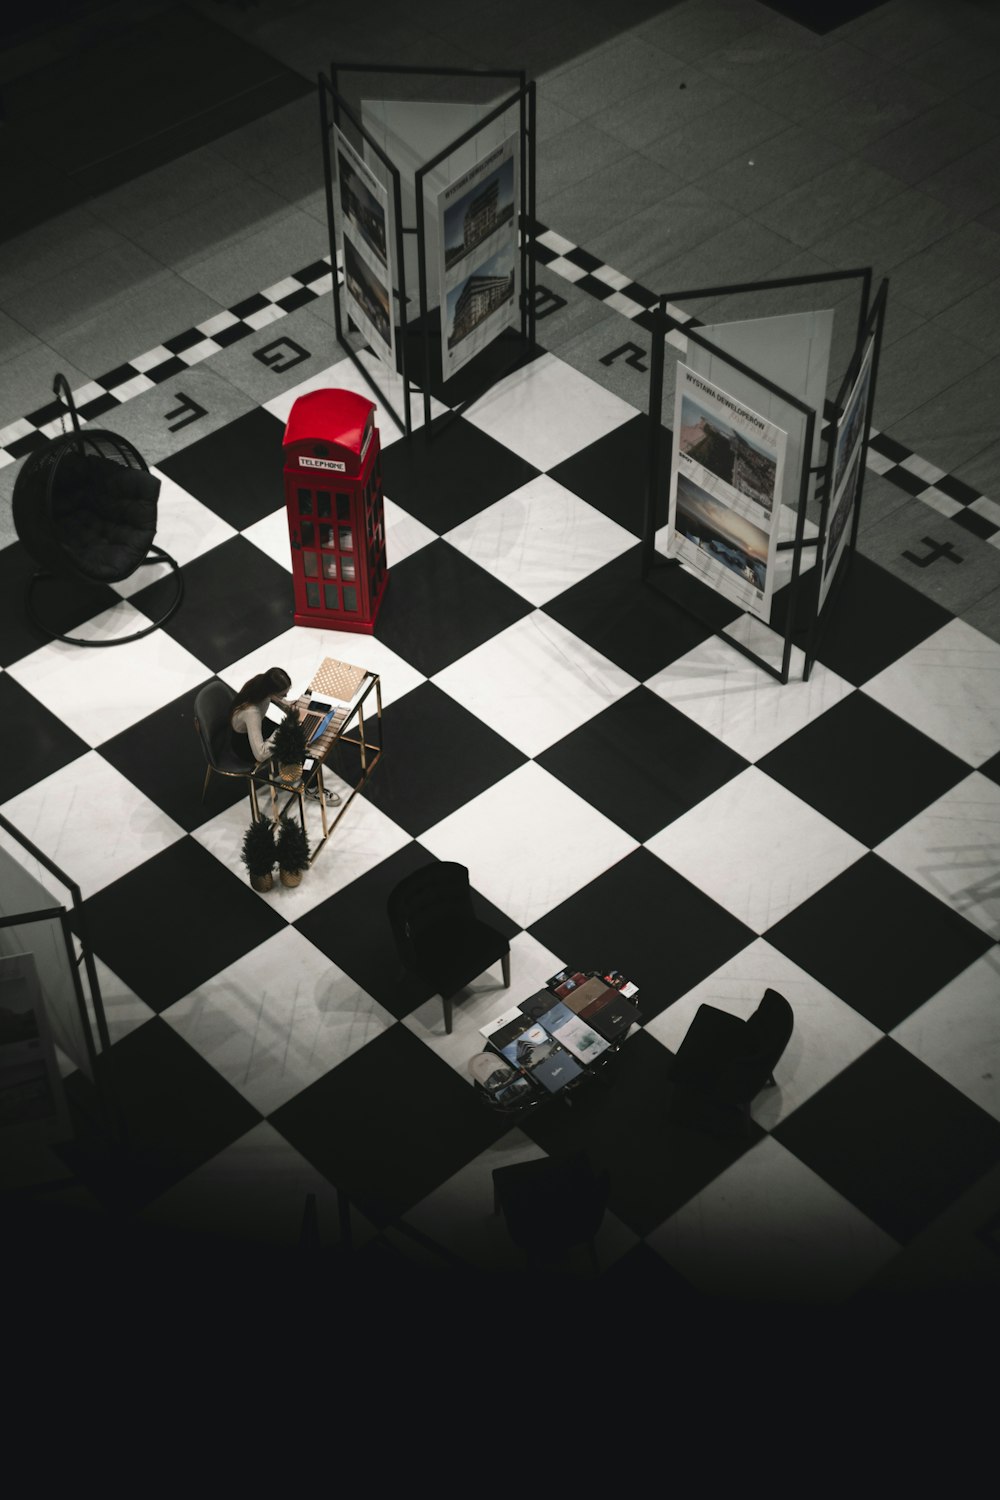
(247, 718)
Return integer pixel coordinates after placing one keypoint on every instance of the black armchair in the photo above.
(550, 1206)
(437, 934)
(212, 706)
(723, 1063)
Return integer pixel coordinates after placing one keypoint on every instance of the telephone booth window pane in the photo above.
(322, 502)
(305, 503)
(309, 564)
(343, 507)
(326, 536)
(329, 565)
(312, 595)
(332, 601)
(346, 542)
(347, 569)
(351, 601)
(308, 534)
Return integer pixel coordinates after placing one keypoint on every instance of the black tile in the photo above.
(181, 341)
(174, 921)
(236, 471)
(583, 259)
(612, 474)
(889, 448)
(641, 626)
(53, 744)
(162, 756)
(642, 763)
(905, 479)
(620, 1119)
(63, 603)
(159, 373)
(594, 287)
(879, 941)
(979, 525)
(893, 1137)
(875, 619)
(175, 1110)
(389, 1124)
(452, 472)
(956, 489)
(235, 600)
(117, 376)
(439, 606)
(864, 768)
(352, 929)
(444, 757)
(640, 916)
(991, 768)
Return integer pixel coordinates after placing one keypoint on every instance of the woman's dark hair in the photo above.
(274, 680)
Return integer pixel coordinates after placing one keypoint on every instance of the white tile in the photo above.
(92, 822)
(877, 462)
(987, 508)
(254, 1191)
(567, 269)
(942, 503)
(528, 842)
(957, 1032)
(540, 539)
(263, 317)
(547, 411)
(198, 352)
(534, 682)
(302, 649)
(612, 278)
(769, 1228)
(101, 692)
(739, 702)
(922, 468)
(361, 840)
(216, 323)
(756, 848)
(277, 1019)
(345, 376)
(952, 849)
(531, 964)
(185, 529)
(281, 289)
(404, 534)
(623, 304)
(153, 357)
(948, 687)
(556, 242)
(133, 387)
(827, 1036)
(270, 534)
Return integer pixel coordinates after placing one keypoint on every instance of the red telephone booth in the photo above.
(336, 519)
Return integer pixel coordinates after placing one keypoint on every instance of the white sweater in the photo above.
(249, 720)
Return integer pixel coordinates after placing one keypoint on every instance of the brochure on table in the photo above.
(478, 255)
(366, 243)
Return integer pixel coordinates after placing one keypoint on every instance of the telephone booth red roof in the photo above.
(329, 416)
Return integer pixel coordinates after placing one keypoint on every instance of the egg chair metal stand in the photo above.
(85, 510)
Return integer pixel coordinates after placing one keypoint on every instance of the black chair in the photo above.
(723, 1063)
(437, 934)
(212, 706)
(552, 1205)
(85, 509)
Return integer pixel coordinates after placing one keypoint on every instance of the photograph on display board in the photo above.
(370, 300)
(722, 539)
(849, 429)
(479, 213)
(477, 257)
(359, 205)
(706, 438)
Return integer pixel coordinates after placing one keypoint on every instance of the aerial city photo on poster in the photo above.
(848, 457)
(366, 248)
(478, 257)
(725, 491)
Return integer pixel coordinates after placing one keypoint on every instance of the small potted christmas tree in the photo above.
(292, 850)
(290, 746)
(260, 854)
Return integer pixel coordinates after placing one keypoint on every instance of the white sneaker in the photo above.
(332, 798)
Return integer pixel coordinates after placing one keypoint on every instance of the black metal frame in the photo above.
(663, 323)
(525, 96)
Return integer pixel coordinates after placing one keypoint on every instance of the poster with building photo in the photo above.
(366, 248)
(478, 256)
(725, 491)
(848, 455)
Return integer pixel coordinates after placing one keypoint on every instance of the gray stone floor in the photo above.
(710, 141)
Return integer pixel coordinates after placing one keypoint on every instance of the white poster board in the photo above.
(848, 456)
(366, 241)
(725, 491)
(478, 256)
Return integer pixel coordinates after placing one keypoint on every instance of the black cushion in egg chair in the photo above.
(85, 508)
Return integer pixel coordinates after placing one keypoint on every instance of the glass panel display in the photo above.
(305, 502)
(351, 600)
(322, 502)
(347, 569)
(312, 595)
(309, 564)
(329, 565)
(326, 536)
(308, 534)
(332, 601)
(346, 543)
(343, 507)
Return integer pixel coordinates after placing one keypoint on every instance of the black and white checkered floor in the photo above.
(625, 789)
